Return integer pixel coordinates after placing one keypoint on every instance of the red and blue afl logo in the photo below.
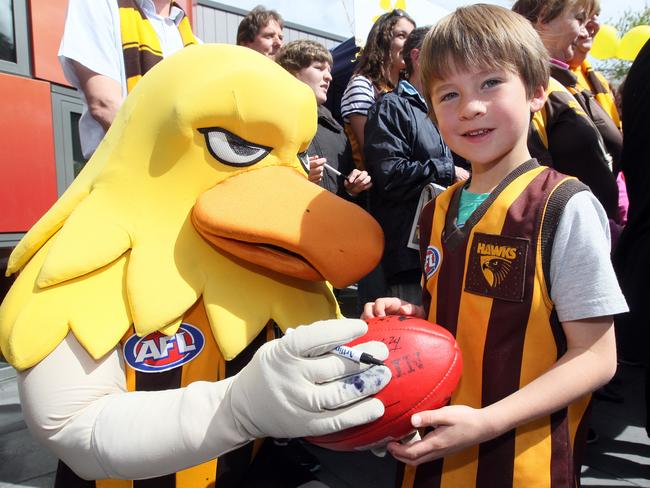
(157, 352)
(431, 261)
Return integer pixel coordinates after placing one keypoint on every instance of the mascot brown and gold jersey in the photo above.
(486, 283)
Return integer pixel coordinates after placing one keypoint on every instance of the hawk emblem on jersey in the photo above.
(496, 266)
(431, 261)
(495, 269)
(157, 352)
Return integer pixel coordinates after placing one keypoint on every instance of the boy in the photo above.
(515, 264)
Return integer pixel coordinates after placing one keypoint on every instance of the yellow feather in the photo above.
(89, 240)
(172, 328)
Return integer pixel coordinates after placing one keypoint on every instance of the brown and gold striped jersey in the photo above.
(487, 283)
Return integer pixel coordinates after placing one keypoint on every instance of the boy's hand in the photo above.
(391, 306)
(356, 182)
(316, 168)
(455, 428)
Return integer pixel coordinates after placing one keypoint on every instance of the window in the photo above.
(14, 49)
(5, 284)
(66, 111)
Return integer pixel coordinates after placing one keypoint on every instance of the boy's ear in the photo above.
(538, 99)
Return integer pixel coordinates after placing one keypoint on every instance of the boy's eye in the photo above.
(491, 83)
(447, 96)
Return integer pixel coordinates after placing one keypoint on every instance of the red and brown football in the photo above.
(426, 364)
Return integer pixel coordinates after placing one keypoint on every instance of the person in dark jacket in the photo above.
(311, 62)
(403, 153)
(330, 145)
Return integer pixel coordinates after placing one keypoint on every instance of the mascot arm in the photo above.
(80, 408)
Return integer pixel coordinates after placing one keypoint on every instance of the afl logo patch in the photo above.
(431, 261)
(157, 352)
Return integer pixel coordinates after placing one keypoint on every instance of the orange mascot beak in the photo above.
(292, 226)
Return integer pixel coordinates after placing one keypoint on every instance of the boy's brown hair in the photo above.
(483, 37)
(254, 21)
(547, 10)
(297, 55)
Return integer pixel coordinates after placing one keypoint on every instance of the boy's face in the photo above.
(484, 115)
(318, 76)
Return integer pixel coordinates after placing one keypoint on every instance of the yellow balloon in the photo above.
(606, 43)
(633, 41)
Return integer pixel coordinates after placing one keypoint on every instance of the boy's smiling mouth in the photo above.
(477, 132)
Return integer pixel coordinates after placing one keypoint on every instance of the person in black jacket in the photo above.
(311, 63)
(631, 257)
(404, 152)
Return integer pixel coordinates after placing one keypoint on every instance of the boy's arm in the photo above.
(590, 361)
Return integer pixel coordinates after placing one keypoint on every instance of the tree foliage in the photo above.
(616, 69)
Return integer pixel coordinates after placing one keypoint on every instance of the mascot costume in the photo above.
(156, 277)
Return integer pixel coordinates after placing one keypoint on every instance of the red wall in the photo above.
(27, 160)
(47, 18)
(27, 163)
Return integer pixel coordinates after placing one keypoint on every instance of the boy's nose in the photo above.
(471, 109)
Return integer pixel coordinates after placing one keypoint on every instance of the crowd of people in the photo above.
(502, 108)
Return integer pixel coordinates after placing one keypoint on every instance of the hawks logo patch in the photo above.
(431, 261)
(157, 352)
(497, 266)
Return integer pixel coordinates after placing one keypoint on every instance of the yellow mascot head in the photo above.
(198, 190)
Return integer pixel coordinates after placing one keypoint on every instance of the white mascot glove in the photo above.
(293, 388)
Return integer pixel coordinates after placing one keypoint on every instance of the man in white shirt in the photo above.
(93, 60)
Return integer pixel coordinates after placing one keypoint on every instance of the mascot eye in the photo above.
(231, 149)
(304, 160)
